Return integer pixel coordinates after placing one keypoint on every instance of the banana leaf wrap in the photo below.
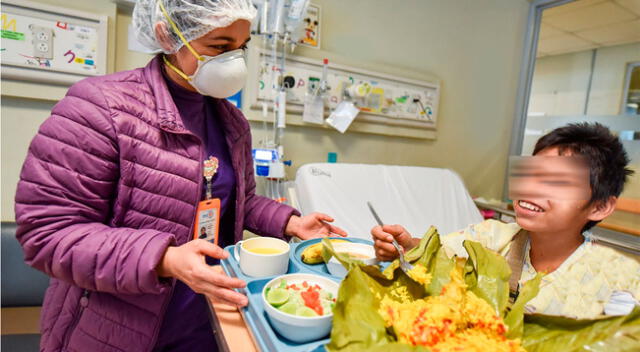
(357, 325)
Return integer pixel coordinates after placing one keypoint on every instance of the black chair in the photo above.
(22, 286)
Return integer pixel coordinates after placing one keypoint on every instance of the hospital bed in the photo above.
(416, 197)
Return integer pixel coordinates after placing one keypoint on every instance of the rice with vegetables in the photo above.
(455, 320)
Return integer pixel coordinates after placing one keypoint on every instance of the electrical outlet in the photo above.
(42, 42)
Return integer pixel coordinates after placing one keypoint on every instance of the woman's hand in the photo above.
(383, 238)
(313, 225)
(187, 264)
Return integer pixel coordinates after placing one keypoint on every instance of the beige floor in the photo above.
(21, 320)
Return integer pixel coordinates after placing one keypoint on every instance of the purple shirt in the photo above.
(186, 324)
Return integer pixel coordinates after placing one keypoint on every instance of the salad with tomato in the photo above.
(302, 299)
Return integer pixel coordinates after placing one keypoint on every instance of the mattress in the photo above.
(414, 197)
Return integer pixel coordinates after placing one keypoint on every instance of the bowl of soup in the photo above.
(356, 251)
(265, 250)
(262, 256)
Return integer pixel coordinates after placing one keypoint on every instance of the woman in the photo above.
(110, 189)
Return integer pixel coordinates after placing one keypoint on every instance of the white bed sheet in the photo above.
(415, 197)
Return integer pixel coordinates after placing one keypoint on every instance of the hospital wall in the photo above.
(560, 82)
(26, 105)
(473, 47)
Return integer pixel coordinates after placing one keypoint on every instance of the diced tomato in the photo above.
(305, 284)
(422, 313)
(312, 300)
(311, 296)
(436, 339)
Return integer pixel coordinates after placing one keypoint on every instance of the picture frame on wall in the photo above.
(311, 28)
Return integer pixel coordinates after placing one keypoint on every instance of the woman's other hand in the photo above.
(187, 264)
(383, 238)
(314, 225)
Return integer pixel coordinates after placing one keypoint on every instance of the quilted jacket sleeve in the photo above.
(263, 216)
(64, 198)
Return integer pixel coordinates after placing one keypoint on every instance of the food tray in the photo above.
(264, 336)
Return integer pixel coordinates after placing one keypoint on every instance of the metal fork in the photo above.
(404, 264)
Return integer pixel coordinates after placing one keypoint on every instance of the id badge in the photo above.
(207, 220)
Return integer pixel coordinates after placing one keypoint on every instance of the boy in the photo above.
(555, 206)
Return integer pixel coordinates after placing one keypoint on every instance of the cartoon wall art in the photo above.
(311, 27)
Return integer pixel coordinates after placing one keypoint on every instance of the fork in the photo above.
(404, 264)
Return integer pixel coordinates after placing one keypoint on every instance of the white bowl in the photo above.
(336, 269)
(296, 328)
(262, 265)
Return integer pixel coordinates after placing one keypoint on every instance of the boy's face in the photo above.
(551, 192)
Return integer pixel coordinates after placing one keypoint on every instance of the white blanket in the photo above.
(415, 197)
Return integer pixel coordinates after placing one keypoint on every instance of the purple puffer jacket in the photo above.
(111, 179)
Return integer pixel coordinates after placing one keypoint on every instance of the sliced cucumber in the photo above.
(306, 312)
(289, 308)
(277, 296)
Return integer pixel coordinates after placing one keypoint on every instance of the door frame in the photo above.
(531, 38)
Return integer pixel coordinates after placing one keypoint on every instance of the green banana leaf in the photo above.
(514, 318)
(552, 333)
(357, 326)
(487, 275)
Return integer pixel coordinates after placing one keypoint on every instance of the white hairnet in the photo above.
(194, 18)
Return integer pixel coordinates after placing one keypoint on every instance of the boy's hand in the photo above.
(383, 236)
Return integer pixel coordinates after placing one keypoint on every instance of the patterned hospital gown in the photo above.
(595, 280)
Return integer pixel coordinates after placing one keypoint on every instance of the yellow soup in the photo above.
(264, 250)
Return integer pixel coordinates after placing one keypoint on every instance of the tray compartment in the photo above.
(265, 337)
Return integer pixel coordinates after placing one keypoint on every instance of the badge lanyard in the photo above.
(208, 212)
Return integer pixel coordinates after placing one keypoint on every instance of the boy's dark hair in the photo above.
(605, 156)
